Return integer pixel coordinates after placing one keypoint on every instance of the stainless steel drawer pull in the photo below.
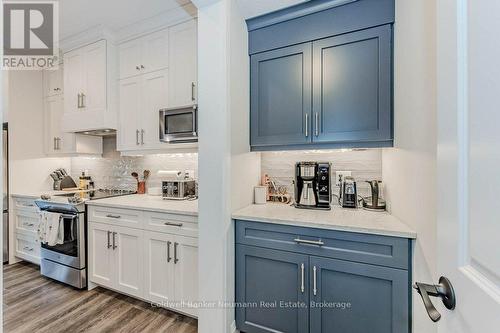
(142, 136)
(309, 242)
(176, 260)
(302, 278)
(109, 241)
(316, 125)
(307, 125)
(315, 290)
(30, 225)
(168, 251)
(114, 241)
(174, 224)
(30, 249)
(137, 137)
(192, 92)
(111, 216)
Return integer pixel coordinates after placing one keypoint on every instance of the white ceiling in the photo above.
(80, 15)
(252, 8)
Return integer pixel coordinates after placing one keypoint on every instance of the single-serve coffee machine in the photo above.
(313, 185)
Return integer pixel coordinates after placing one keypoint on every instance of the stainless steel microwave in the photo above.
(179, 125)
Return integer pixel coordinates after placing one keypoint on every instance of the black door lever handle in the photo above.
(444, 290)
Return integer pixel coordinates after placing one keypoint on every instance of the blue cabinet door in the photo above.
(280, 102)
(352, 77)
(271, 291)
(348, 297)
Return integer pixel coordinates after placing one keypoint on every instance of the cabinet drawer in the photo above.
(26, 221)
(171, 223)
(372, 249)
(27, 248)
(25, 204)
(116, 216)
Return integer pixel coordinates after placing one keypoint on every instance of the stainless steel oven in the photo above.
(179, 125)
(66, 262)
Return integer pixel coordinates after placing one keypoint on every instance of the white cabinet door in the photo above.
(53, 82)
(183, 64)
(186, 272)
(154, 96)
(154, 51)
(159, 270)
(130, 54)
(130, 111)
(73, 80)
(128, 249)
(94, 90)
(101, 263)
(53, 113)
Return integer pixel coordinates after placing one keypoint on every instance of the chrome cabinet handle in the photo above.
(114, 241)
(173, 224)
(192, 91)
(316, 125)
(142, 136)
(137, 137)
(307, 125)
(30, 225)
(302, 278)
(30, 249)
(111, 216)
(55, 143)
(83, 100)
(309, 242)
(176, 260)
(79, 96)
(109, 241)
(58, 143)
(315, 290)
(168, 251)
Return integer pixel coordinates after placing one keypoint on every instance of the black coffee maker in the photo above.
(313, 185)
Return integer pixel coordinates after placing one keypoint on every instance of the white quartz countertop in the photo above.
(36, 195)
(353, 220)
(149, 203)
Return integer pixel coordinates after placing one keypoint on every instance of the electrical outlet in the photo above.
(339, 177)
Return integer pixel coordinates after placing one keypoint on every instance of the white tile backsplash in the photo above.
(364, 164)
(114, 171)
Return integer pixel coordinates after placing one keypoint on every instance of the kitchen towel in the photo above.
(51, 229)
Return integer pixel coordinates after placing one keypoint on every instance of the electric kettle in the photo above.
(374, 202)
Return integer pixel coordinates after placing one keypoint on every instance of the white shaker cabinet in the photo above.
(186, 272)
(144, 55)
(141, 97)
(116, 258)
(159, 270)
(90, 87)
(183, 64)
(61, 143)
(53, 82)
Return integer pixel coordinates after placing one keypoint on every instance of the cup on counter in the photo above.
(260, 195)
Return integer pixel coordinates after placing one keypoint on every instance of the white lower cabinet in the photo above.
(160, 267)
(171, 272)
(116, 257)
(26, 220)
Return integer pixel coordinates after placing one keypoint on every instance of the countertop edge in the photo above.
(400, 234)
(141, 208)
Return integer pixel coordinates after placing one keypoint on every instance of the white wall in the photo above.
(29, 169)
(227, 171)
(409, 171)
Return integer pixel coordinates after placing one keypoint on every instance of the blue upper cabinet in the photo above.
(352, 87)
(281, 83)
(321, 76)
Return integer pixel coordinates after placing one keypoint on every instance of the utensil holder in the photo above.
(141, 187)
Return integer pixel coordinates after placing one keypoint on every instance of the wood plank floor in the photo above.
(33, 303)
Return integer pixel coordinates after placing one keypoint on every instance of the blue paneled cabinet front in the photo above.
(310, 289)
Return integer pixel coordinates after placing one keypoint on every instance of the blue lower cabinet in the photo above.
(351, 297)
(294, 289)
(271, 290)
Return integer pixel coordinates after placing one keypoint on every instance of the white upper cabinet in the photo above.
(90, 88)
(183, 60)
(53, 82)
(144, 55)
(58, 142)
(141, 97)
